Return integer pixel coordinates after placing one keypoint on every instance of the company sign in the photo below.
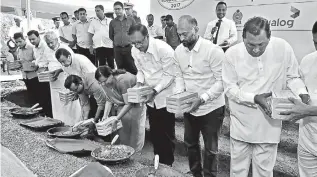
(175, 4)
(293, 16)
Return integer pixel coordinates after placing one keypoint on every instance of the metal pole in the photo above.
(28, 11)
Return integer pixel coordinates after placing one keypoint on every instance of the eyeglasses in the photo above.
(139, 43)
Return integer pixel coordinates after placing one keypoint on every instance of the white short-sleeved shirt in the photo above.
(100, 30)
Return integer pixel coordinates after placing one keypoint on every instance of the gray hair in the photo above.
(50, 36)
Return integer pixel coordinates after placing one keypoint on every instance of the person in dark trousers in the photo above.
(121, 41)
(41, 60)
(26, 56)
(100, 43)
(206, 113)
(155, 62)
(81, 35)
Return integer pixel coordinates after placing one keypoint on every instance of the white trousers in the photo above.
(262, 155)
(307, 161)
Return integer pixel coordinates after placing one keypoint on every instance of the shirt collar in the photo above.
(83, 22)
(40, 44)
(223, 19)
(197, 45)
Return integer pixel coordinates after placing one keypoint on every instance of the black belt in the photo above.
(124, 46)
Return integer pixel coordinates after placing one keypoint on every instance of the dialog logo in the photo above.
(175, 4)
(295, 11)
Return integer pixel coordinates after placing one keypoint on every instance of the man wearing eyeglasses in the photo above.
(75, 64)
(155, 62)
(118, 34)
(86, 87)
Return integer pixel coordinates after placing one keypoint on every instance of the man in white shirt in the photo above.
(307, 149)
(17, 28)
(81, 35)
(65, 32)
(201, 63)
(154, 30)
(251, 71)
(221, 31)
(154, 60)
(41, 60)
(101, 44)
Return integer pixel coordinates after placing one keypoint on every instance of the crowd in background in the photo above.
(100, 58)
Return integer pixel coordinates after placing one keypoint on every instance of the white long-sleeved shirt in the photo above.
(245, 76)
(227, 31)
(156, 68)
(80, 65)
(308, 126)
(201, 72)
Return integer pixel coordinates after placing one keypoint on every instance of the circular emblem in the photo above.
(237, 17)
(175, 4)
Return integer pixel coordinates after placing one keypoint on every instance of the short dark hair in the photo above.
(138, 27)
(64, 13)
(163, 16)
(169, 17)
(314, 30)
(150, 15)
(106, 71)
(76, 11)
(221, 3)
(17, 36)
(72, 79)
(100, 7)
(36, 33)
(118, 3)
(82, 9)
(255, 25)
(62, 51)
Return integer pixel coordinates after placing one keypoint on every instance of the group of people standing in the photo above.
(240, 77)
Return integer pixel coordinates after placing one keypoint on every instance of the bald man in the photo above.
(207, 112)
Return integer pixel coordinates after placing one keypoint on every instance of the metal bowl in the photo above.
(58, 132)
(104, 154)
(22, 114)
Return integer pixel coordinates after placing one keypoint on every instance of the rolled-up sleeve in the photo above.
(166, 56)
(293, 80)
(230, 82)
(216, 58)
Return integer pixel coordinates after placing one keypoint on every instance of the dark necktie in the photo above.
(218, 24)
